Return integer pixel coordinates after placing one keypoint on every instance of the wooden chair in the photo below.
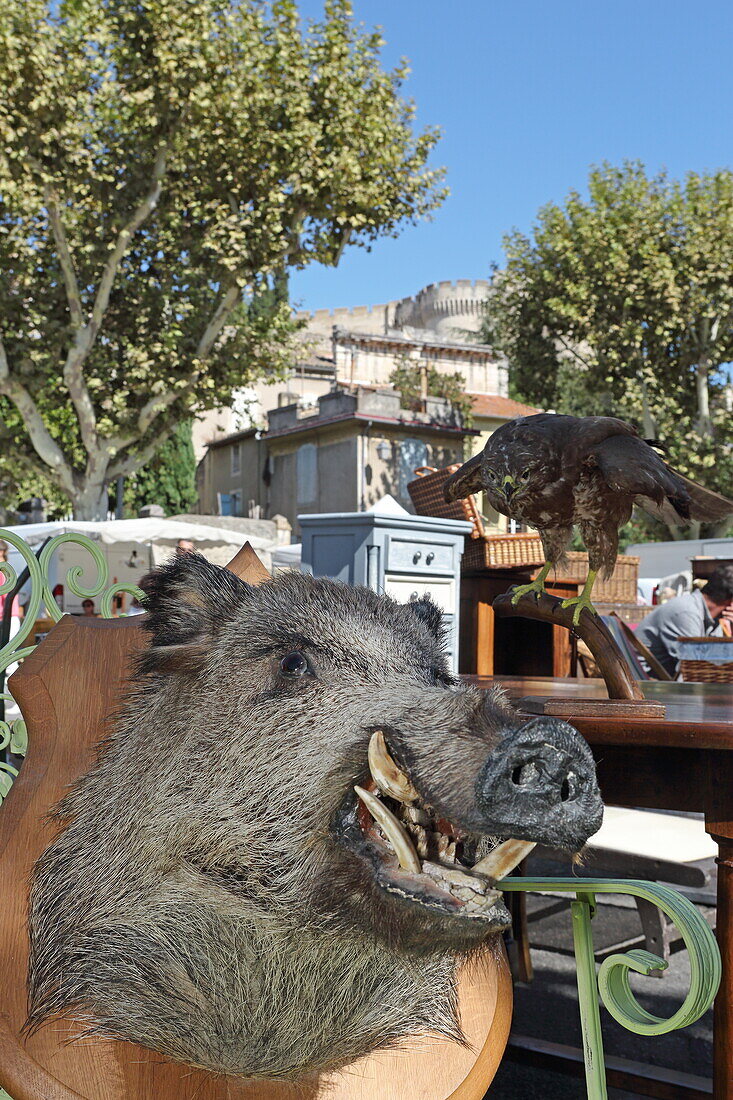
(657, 670)
(66, 690)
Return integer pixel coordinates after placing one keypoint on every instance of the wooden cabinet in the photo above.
(510, 647)
(402, 555)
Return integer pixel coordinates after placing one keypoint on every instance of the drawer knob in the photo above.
(430, 558)
(416, 556)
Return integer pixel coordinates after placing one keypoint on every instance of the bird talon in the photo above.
(580, 603)
(536, 587)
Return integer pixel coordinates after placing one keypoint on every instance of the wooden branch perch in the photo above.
(548, 609)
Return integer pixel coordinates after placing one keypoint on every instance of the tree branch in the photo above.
(72, 371)
(65, 259)
(213, 330)
(126, 466)
(43, 443)
(124, 237)
(77, 353)
(573, 350)
(86, 334)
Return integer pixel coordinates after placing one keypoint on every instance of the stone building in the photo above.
(361, 346)
(345, 362)
(341, 456)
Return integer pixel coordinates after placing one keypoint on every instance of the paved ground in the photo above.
(547, 1009)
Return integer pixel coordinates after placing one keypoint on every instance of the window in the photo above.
(236, 459)
(413, 453)
(236, 504)
(306, 470)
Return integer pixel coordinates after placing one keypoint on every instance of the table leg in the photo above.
(719, 823)
(723, 1011)
(484, 639)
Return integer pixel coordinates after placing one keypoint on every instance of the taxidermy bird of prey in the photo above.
(556, 472)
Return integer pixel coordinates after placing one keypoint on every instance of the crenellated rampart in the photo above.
(438, 307)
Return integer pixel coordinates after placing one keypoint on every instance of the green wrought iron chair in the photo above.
(66, 688)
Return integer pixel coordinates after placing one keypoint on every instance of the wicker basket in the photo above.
(697, 670)
(621, 586)
(503, 552)
(426, 493)
(633, 613)
(525, 551)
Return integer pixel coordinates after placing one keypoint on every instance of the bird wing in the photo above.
(465, 481)
(631, 466)
(704, 503)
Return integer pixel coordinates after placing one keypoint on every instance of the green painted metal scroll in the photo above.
(13, 735)
(612, 979)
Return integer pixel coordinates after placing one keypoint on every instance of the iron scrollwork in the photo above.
(13, 735)
(612, 979)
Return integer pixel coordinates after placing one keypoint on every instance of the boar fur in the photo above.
(197, 899)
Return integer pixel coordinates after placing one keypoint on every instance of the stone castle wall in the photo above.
(446, 309)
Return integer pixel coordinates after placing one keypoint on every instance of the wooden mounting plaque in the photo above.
(591, 708)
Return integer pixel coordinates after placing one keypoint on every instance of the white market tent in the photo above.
(149, 532)
(131, 547)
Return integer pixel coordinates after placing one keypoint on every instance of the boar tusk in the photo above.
(503, 859)
(397, 836)
(389, 778)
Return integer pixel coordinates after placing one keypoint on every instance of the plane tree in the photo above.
(163, 165)
(620, 302)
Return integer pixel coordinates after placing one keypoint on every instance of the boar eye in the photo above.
(294, 664)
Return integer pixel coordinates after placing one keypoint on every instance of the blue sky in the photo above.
(529, 94)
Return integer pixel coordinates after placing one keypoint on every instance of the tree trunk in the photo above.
(704, 421)
(649, 424)
(91, 502)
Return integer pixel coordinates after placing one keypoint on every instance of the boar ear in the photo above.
(188, 599)
(428, 613)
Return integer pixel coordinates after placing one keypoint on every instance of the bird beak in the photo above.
(509, 487)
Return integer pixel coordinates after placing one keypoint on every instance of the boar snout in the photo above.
(539, 784)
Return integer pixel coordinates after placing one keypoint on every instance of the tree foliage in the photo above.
(168, 479)
(406, 377)
(621, 304)
(163, 165)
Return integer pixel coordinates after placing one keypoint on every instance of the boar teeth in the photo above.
(502, 860)
(389, 778)
(415, 816)
(400, 841)
(461, 884)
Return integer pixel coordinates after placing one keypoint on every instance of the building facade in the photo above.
(317, 440)
(341, 456)
(361, 346)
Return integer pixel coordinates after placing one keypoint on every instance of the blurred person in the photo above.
(16, 613)
(185, 546)
(88, 610)
(704, 611)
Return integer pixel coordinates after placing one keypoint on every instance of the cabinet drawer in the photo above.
(411, 556)
(404, 589)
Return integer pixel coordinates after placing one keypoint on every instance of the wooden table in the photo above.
(683, 761)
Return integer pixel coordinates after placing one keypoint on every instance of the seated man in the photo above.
(692, 615)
